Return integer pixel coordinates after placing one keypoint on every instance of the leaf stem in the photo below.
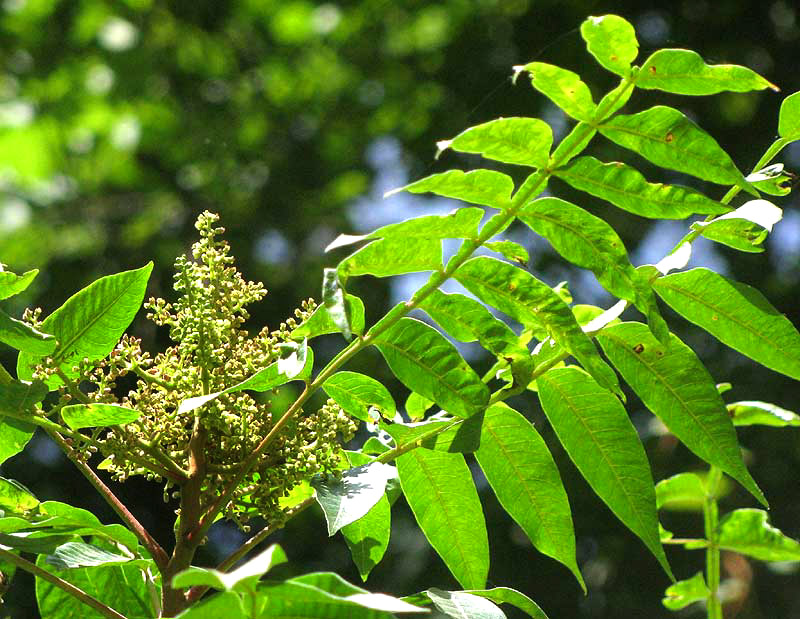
(62, 584)
(711, 522)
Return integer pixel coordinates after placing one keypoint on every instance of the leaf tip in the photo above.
(441, 146)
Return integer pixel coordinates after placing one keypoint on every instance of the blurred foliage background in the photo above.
(121, 121)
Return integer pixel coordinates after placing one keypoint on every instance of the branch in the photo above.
(62, 584)
(153, 547)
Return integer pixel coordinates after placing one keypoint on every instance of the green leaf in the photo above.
(22, 336)
(11, 283)
(393, 256)
(33, 542)
(749, 413)
(684, 72)
(485, 187)
(589, 242)
(90, 323)
(505, 595)
(293, 365)
(17, 398)
(612, 41)
(322, 323)
(348, 497)
(457, 436)
(357, 393)
(523, 475)
(595, 431)
(417, 406)
(15, 498)
(440, 491)
(667, 138)
(333, 301)
(78, 416)
(744, 228)
(468, 320)
(243, 578)
(461, 223)
(675, 385)
(427, 363)
(73, 555)
(564, 88)
(523, 141)
(461, 605)
(531, 302)
(122, 587)
(684, 491)
(626, 188)
(684, 592)
(736, 314)
(510, 251)
(774, 180)
(748, 532)
(228, 604)
(368, 537)
(789, 118)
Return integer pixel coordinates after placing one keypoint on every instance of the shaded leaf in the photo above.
(736, 314)
(322, 323)
(457, 436)
(357, 393)
(333, 300)
(78, 416)
(21, 336)
(486, 187)
(675, 385)
(428, 364)
(612, 41)
(523, 141)
(346, 498)
(748, 532)
(368, 537)
(461, 223)
(440, 491)
(17, 398)
(625, 187)
(531, 302)
(666, 137)
(243, 578)
(684, 72)
(595, 431)
(564, 88)
(393, 256)
(684, 592)
(228, 604)
(750, 412)
(523, 475)
(11, 283)
(78, 554)
(90, 323)
(468, 320)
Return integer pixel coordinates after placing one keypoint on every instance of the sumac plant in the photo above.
(198, 418)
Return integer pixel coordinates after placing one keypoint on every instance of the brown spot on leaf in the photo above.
(714, 317)
(638, 349)
(653, 70)
(669, 137)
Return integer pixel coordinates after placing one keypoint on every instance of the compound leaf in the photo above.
(78, 416)
(564, 88)
(612, 41)
(748, 532)
(684, 592)
(789, 118)
(486, 187)
(21, 336)
(357, 393)
(368, 537)
(11, 283)
(393, 256)
(750, 412)
(523, 141)
(321, 322)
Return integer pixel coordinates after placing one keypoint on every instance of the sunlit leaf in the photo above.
(368, 537)
(17, 398)
(531, 302)
(523, 475)
(750, 413)
(427, 363)
(684, 491)
(685, 592)
(564, 88)
(684, 72)
(486, 187)
(90, 323)
(747, 532)
(321, 322)
(666, 137)
(357, 393)
(505, 595)
(11, 283)
(393, 256)
(736, 314)
(462, 605)
(612, 41)
(333, 300)
(21, 336)
(625, 187)
(459, 436)
(789, 118)
(439, 489)
(15, 498)
(509, 250)
(524, 141)
(73, 555)
(597, 434)
(675, 385)
(243, 578)
(78, 416)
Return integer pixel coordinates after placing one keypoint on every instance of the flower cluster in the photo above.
(213, 351)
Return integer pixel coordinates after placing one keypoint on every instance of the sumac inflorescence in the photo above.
(199, 418)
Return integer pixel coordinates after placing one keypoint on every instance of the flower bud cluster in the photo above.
(212, 351)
